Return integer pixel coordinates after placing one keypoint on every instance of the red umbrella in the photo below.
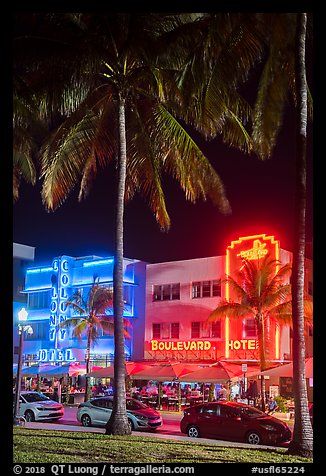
(163, 372)
(212, 374)
(287, 370)
(108, 372)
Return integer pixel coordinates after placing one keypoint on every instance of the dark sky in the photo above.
(261, 195)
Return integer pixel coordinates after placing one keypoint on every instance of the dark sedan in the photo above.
(234, 421)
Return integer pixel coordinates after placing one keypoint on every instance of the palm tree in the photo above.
(277, 42)
(260, 293)
(302, 441)
(284, 71)
(92, 320)
(125, 119)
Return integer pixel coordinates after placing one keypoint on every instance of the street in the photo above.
(170, 428)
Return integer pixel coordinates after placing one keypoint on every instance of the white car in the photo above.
(97, 412)
(35, 406)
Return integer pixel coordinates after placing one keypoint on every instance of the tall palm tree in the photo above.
(302, 441)
(260, 293)
(277, 42)
(92, 320)
(284, 72)
(126, 119)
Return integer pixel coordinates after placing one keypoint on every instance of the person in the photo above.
(271, 405)
(223, 393)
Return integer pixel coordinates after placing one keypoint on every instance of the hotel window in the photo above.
(216, 287)
(196, 289)
(166, 292)
(175, 330)
(205, 329)
(216, 329)
(250, 328)
(156, 328)
(39, 300)
(195, 330)
(202, 289)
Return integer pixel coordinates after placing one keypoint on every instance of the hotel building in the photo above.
(167, 305)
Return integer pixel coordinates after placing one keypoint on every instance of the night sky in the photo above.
(261, 195)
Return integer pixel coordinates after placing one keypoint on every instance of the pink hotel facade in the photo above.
(180, 295)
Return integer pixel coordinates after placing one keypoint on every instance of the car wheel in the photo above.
(253, 438)
(131, 424)
(29, 415)
(86, 420)
(193, 432)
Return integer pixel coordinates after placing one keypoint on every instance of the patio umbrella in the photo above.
(108, 372)
(287, 370)
(212, 374)
(163, 372)
(71, 369)
(37, 369)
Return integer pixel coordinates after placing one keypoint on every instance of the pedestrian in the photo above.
(271, 405)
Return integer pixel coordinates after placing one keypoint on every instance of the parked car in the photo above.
(234, 421)
(97, 412)
(34, 406)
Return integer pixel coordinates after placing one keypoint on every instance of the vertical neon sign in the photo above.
(63, 296)
(258, 247)
(54, 301)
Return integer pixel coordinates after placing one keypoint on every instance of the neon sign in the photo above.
(180, 345)
(242, 344)
(53, 355)
(257, 251)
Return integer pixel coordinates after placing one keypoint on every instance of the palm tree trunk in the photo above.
(88, 352)
(262, 356)
(118, 422)
(302, 442)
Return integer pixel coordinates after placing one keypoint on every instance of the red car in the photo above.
(234, 421)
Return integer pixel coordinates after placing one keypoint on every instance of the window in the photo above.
(250, 329)
(195, 330)
(216, 329)
(206, 288)
(157, 293)
(195, 290)
(202, 289)
(156, 331)
(166, 292)
(228, 412)
(39, 300)
(175, 330)
(210, 409)
(205, 329)
(216, 287)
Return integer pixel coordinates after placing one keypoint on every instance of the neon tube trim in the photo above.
(87, 264)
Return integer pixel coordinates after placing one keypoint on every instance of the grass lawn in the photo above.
(54, 446)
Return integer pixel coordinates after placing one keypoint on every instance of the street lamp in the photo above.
(22, 317)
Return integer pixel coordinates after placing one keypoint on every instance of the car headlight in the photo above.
(269, 427)
(41, 409)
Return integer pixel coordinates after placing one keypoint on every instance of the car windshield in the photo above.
(34, 397)
(135, 405)
(252, 412)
